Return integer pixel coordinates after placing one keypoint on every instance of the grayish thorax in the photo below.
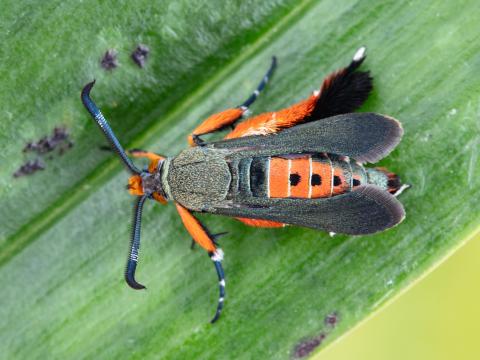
(198, 178)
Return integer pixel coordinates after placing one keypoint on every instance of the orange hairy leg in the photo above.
(230, 116)
(341, 92)
(138, 153)
(198, 233)
(201, 236)
(261, 223)
(154, 158)
(272, 122)
(215, 122)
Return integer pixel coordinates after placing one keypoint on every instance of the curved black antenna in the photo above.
(107, 131)
(260, 86)
(217, 257)
(135, 244)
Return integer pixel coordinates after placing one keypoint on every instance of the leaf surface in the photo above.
(64, 231)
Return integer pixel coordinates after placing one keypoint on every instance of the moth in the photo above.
(303, 166)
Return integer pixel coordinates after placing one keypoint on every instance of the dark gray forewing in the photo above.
(367, 209)
(366, 137)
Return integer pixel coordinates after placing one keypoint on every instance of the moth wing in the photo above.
(366, 210)
(366, 137)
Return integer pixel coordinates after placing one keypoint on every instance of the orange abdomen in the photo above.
(309, 176)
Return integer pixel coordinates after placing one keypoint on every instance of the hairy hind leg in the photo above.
(341, 92)
(345, 90)
(261, 223)
(139, 153)
(230, 116)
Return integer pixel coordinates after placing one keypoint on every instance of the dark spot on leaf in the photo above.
(337, 181)
(294, 179)
(59, 139)
(140, 55)
(331, 319)
(29, 168)
(316, 180)
(109, 60)
(306, 347)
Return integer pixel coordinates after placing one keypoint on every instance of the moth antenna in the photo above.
(217, 258)
(106, 129)
(135, 245)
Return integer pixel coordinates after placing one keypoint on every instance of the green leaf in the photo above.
(64, 231)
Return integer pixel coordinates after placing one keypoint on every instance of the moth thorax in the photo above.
(151, 183)
(146, 184)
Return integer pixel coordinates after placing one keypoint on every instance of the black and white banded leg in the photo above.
(251, 99)
(217, 258)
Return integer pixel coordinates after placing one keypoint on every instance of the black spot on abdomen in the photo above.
(294, 179)
(316, 180)
(337, 181)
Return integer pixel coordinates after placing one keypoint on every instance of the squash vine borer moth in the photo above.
(302, 165)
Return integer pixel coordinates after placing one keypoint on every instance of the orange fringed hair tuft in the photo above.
(135, 185)
(135, 188)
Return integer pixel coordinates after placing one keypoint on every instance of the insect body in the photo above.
(299, 166)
